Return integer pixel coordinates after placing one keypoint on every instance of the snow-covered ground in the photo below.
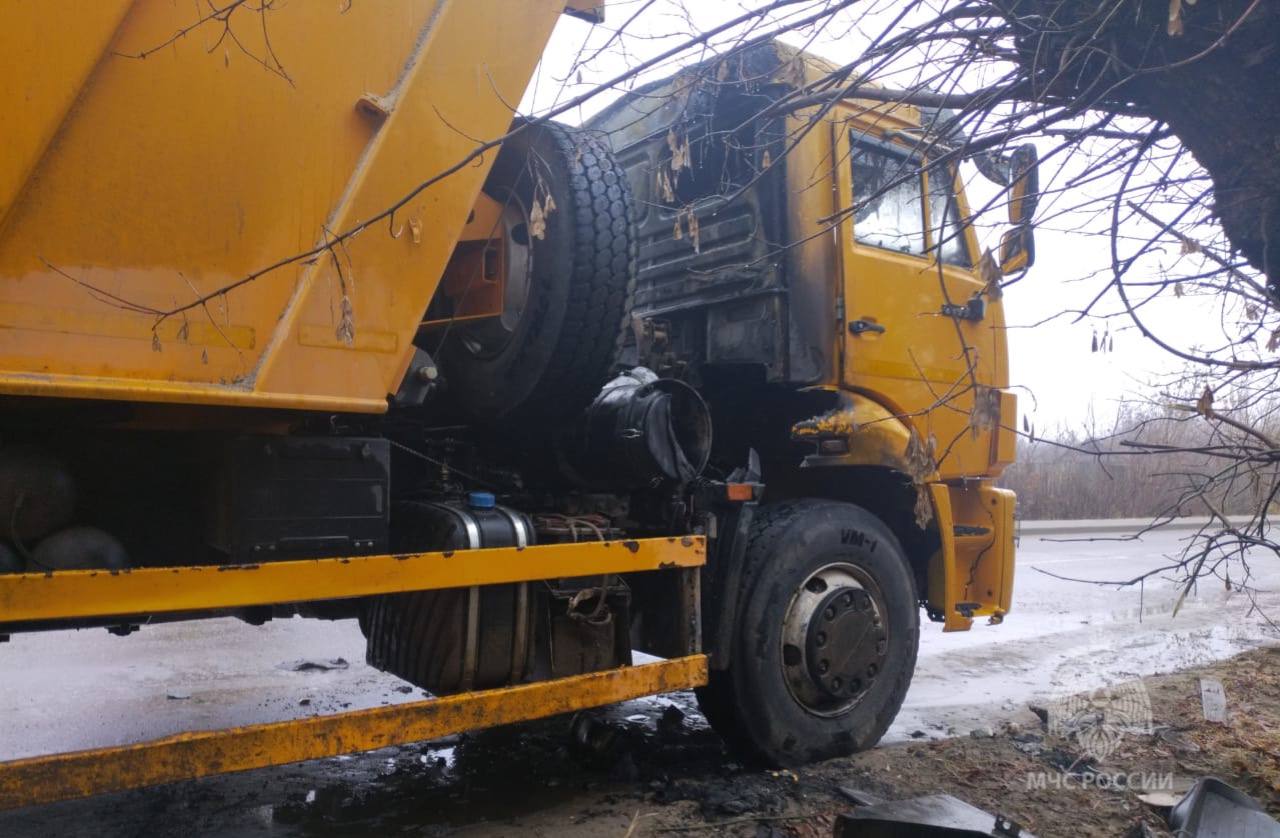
(1065, 637)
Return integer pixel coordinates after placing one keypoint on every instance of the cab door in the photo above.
(918, 332)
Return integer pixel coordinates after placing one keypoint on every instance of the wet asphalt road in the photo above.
(73, 690)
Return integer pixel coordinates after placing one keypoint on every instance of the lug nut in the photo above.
(820, 638)
(823, 666)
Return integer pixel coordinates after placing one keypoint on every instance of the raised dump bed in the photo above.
(159, 154)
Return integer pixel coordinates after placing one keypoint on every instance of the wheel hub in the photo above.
(489, 337)
(845, 644)
(835, 639)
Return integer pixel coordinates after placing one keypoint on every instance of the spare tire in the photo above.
(574, 236)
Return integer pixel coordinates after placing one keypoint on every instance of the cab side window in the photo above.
(887, 191)
(943, 215)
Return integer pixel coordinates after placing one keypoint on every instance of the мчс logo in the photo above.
(1098, 719)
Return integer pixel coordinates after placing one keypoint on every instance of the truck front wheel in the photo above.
(825, 640)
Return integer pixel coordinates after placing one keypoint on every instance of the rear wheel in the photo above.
(826, 636)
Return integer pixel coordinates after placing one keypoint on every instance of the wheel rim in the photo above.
(835, 639)
(490, 337)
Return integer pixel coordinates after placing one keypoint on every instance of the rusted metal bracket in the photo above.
(46, 779)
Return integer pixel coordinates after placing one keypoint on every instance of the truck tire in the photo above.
(825, 640)
(551, 359)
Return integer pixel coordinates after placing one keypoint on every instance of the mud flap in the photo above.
(971, 574)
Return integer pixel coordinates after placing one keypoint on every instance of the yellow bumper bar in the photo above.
(46, 779)
(155, 590)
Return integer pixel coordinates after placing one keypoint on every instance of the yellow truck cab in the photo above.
(812, 272)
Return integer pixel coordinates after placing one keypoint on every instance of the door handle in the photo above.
(857, 327)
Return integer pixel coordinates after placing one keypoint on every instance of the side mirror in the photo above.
(1019, 173)
(1024, 184)
(1018, 246)
(1017, 249)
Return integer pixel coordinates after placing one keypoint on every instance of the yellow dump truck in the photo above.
(298, 317)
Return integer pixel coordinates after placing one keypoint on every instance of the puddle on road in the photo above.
(486, 777)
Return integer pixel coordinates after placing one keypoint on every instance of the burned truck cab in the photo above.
(811, 267)
(715, 277)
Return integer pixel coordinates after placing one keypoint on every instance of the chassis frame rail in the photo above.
(34, 598)
(28, 597)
